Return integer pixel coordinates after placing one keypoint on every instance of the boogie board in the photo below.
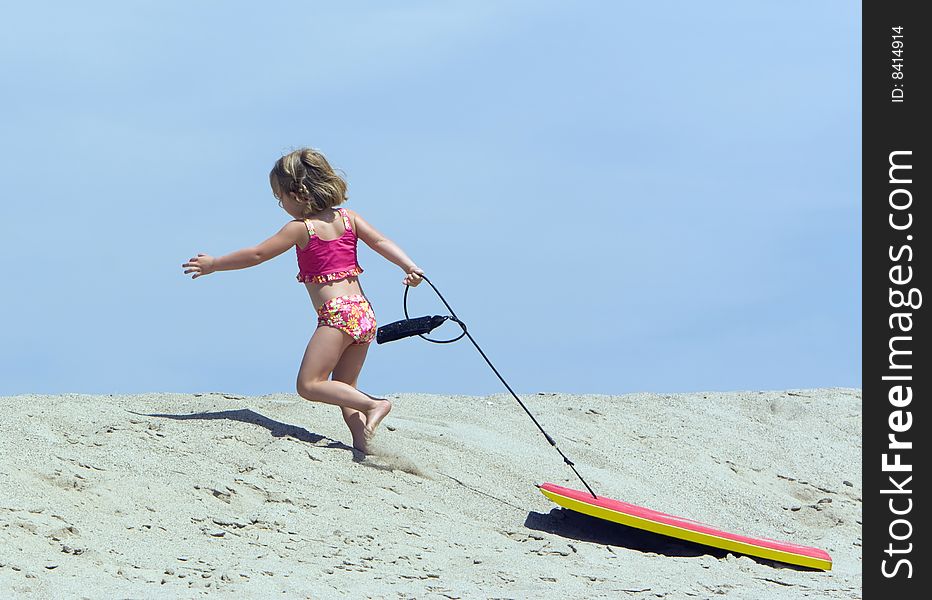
(685, 529)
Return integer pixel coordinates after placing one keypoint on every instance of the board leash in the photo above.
(421, 325)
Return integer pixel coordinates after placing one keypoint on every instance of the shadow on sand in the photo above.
(276, 428)
(585, 528)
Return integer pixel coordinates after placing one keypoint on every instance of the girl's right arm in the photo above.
(288, 236)
(386, 248)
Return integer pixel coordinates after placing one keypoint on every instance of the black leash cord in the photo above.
(453, 317)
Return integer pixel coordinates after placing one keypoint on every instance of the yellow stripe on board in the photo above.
(688, 534)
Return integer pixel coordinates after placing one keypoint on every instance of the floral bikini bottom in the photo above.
(350, 314)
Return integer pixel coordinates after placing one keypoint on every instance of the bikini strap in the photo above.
(346, 221)
(310, 228)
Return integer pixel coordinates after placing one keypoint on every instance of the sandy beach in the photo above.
(221, 495)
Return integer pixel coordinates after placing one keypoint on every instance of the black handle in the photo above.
(407, 328)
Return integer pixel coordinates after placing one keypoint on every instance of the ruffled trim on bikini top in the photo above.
(328, 277)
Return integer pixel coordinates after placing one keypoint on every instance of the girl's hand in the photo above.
(202, 264)
(413, 278)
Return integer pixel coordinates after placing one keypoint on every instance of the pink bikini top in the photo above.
(322, 261)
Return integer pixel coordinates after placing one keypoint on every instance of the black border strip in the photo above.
(895, 275)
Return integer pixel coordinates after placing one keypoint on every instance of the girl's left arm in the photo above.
(287, 236)
(387, 248)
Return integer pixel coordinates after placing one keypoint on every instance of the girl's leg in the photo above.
(347, 371)
(321, 357)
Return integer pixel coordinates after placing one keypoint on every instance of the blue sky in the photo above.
(614, 196)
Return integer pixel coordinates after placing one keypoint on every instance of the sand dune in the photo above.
(184, 495)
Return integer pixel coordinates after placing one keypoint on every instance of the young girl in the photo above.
(325, 242)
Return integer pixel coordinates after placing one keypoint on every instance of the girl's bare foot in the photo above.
(356, 421)
(359, 438)
(375, 416)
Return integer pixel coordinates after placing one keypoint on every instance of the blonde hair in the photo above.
(307, 174)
